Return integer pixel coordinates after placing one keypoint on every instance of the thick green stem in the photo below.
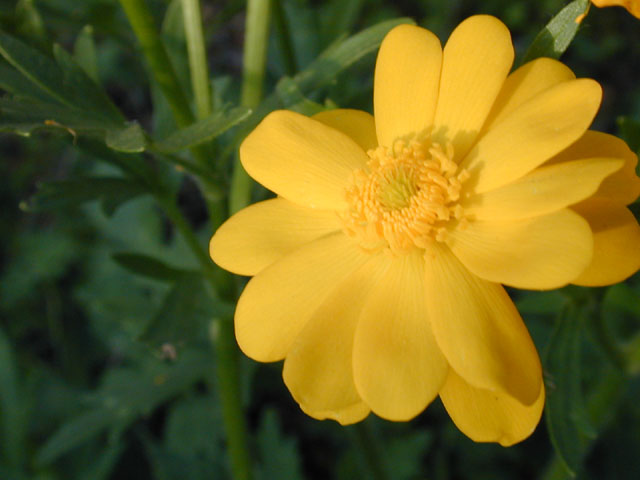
(197, 57)
(254, 62)
(230, 397)
(145, 29)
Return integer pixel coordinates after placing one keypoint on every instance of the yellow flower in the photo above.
(377, 269)
(632, 5)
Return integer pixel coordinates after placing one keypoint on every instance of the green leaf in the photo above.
(630, 132)
(569, 427)
(186, 312)
(130, 139)
(291, 95)
(203, 130)
(556, 36)
(149, 267)
(12, 408)
(23, 116)
(63, 80)
(29, 21)
(344, 54)
(84, 53)
(279, 455)
(76, 432)
(86, 92)
(112, 191)
(125, 395)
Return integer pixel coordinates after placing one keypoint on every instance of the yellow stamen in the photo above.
(406, 197)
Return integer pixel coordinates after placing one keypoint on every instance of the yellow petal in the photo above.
(357, 124)
(535, 253)
(525, 83)
(475, 63)
(624, 185)
(261, 234)
(302, 159)
(616, 243)
(397, 366)
(406, 82)
(318, 370)
(633, 6)
(345, 416)
(486, 416)
(278, 302)
(532, 133)
(544, 190)
(479, 330)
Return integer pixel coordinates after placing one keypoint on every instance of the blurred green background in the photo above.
(107, 337)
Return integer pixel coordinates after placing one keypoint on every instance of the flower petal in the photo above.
(318, 370)
(345, 416)
(544, 190)
(262, 233)
(302, 159)
(525, 83)
(358, 125)
(532, 133)
(534, 253)
(479, 330)
(406, 82)
(616, 243)
(278, 302)
(624, 185)
(398, 368)
(486, 416)
(476, 61)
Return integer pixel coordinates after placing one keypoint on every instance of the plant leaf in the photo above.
(130, 139)
(279, 454)
(112, 191)
(186, 312)
(569, 427)
(63, 80)
(12, 410)
(149, 267)
(556, 36)
(125, 395)
(84, 53)
(203, 130)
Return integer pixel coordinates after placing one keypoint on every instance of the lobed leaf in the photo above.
(569, 427)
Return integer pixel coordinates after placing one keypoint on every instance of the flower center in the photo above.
(405, 198)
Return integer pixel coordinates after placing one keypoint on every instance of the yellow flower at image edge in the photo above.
(633, 6)
(378, 268)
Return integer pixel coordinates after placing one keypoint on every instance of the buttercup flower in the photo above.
(633, 6)
(377, 269)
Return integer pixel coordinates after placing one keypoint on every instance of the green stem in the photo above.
(145, 29)
(197, 57)
(371, 450)
(254, 63)
(230, 398)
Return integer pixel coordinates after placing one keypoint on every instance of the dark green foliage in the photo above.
(109, 321)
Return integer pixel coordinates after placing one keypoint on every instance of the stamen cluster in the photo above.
(405, 197)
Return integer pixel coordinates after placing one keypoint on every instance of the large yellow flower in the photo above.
(633, 6)
(377, 269)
